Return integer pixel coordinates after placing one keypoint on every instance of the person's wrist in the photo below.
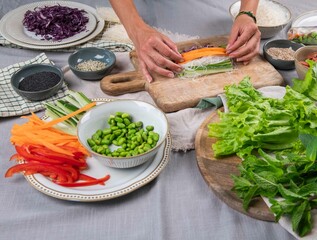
(246, 13)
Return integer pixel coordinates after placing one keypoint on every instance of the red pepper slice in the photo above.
(86, 183)
(30, 154)
(16, 157)
(85, 177)
(32, 168)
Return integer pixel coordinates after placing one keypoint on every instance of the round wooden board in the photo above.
(217, 174)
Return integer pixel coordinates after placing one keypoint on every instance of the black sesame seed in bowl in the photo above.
(37, 82)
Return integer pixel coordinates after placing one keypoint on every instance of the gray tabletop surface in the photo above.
(178, 204)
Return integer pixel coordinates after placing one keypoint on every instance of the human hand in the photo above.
(244, 40)
(156, 53)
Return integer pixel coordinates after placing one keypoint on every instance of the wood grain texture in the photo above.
(175, 94)
(217, 174)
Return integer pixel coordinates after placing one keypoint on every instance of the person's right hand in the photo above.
(156, 53)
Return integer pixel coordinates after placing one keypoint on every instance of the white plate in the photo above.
(308, 19)
(20, 33)
(98, 29)
(121, 182)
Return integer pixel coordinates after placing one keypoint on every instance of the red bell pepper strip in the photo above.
(32, 168)
(30, 155)
(85, 177)
(85, 183)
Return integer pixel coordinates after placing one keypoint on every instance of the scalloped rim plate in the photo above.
(20, 33)
(99, 27)
(121, 182)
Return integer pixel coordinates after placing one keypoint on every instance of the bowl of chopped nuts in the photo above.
(280, 53)
(92, 63)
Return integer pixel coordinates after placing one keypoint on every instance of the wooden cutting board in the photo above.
(173, 94)
(217, 174)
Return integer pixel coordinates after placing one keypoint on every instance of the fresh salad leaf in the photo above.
(277, 140)
(308, 86)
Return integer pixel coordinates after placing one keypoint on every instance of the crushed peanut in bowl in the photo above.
(90, 65)
(285, 54)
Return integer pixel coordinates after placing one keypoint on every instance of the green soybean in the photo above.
(125, 115)
(149, 128)
(132, 138)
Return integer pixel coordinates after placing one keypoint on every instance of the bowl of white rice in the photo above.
(271, 17)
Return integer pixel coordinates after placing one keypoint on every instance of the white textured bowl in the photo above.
(96, 118)
(267, 31)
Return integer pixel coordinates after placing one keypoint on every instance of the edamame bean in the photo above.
(139, 124)
(125, 115)
(91, 142)
(132, 125)
(107, 131)
(132, 138)
(126, 121)
(149, 128)
(118, 119)
(120, 125)
(156, 136)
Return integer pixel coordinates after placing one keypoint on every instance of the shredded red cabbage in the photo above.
(55, 22)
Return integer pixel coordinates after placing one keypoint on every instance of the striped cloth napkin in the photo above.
(12, 104)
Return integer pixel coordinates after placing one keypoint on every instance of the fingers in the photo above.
(158, 55)
(147, 65)
(247, 51)
(163, 62)
(244, 40)
(145, 72)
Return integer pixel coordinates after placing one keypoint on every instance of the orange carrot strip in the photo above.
(192, 55)
(217, 49)
(61, 119)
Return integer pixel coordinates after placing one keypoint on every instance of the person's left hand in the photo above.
(244, 40)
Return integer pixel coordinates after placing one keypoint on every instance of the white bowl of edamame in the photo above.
(123, 133)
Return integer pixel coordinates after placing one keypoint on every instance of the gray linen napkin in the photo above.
(12, 104)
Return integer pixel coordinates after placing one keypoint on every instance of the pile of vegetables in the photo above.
(55, 22)
(277, 140)
(312, 56)
(43, 148)
(203, 61)
(67, 105)
(130, 137)
(305, 35)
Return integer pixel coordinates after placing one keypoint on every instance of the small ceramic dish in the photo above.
(97, 119)
(92, 63)
(37, 82)
(278, 63)
(301, 55)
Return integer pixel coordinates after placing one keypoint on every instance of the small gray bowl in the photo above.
(25, 72)
(92, 53)
(281, 43)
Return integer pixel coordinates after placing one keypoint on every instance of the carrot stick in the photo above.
(216, 49)
(61, 119)
(198, 53)
(39, 132)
